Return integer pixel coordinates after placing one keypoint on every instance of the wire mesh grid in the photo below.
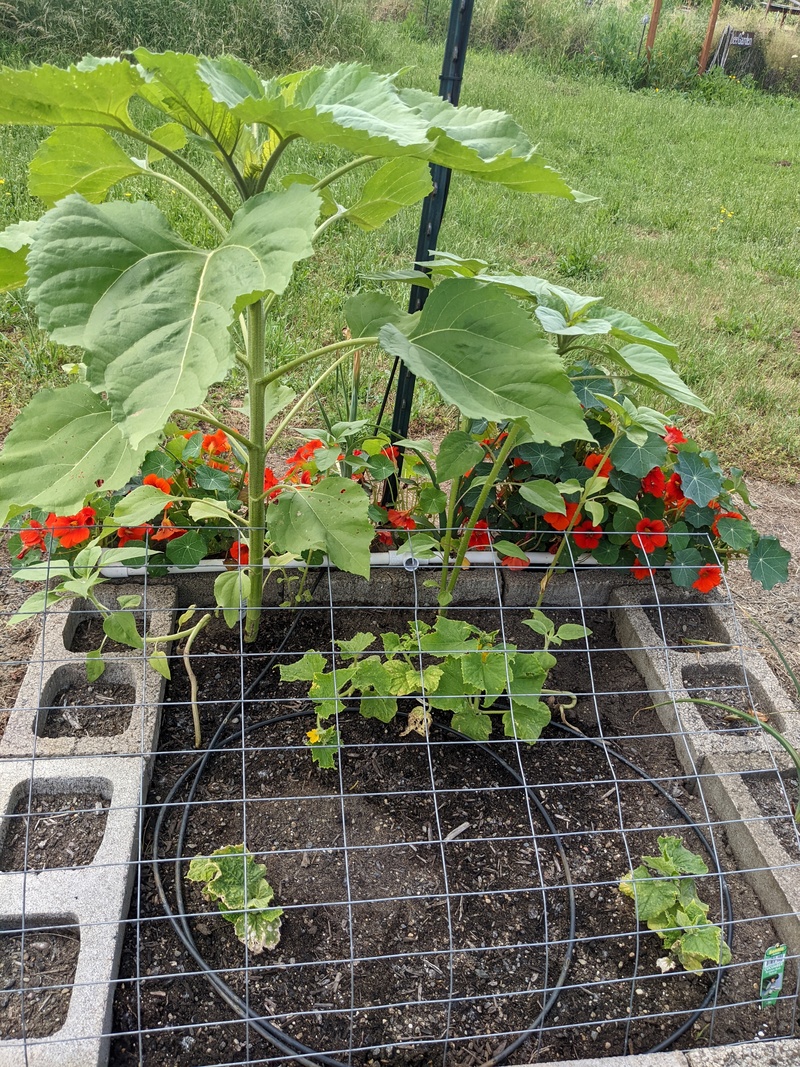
(444, 900)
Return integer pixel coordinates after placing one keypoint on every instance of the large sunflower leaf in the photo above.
(153, 312)
(93, 93)
(14, 243)
(85, 161)
(486, 144)
(178, 90)
(349, 106)
(60, 447)
(330, 517)
(483, 353)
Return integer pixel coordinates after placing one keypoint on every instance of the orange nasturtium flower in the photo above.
(561, 522)
(164, 484)
(650, 535)
(71, 530)
(214, 443)
(708, 578)
(32, 537)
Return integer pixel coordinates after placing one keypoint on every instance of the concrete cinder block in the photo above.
(94, 897)
(55, 666)
(783, 1053)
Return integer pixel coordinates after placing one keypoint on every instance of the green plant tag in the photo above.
(772, 974)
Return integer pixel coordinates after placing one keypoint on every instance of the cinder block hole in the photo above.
(36, 975)
(683, 625)
(776, 796)
(725, 685)
(56, 824)
(86, 709)
(83, 631)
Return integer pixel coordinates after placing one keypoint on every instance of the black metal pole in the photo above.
(432, 212)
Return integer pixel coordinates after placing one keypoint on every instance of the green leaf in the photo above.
(738, 534)
(14, 243)
(449, 636)
(85, 161)
(171, 135)
(681, 859)
(89, 94)
(154, 319)
(652, 369)
(159, 662)
(180, 92)
(210, 509)
(701, 943)
(698, 482)
(330, 517)
(159, 463)
(188, 550)
(539, 623)
(629, 329)
(452, 689)
(553, 321)
(397, 184)
(481, 351)
(231, 590)
(639, 460)
(488, 670)
(488, 145)
(544, 459)
(35, 603)
(302, 670)
(543, 494)
(569, 631)
(686, 563)
(653, 896)
(458, 453)
(768, 562)
(132, 600)
(276, 397)
(324, 750)
(121, 626)
(237, 883)
(61, 445)
(623, 502)
(354, 645)
(365, 314)
(508, 548)
(140, 505)
(349, 106)
(432, 500)
(210, 478)
(526, 720)
(472, 724)
(94, 665)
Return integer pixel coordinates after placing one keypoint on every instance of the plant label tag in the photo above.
(772, 974)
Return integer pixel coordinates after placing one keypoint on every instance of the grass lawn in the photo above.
(657, 243)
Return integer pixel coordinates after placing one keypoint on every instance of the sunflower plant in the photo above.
(158, 319)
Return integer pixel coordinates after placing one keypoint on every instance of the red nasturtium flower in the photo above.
(673, 494)
(240, 552)
(133, 533)
(650, 535)
(386, 537)
(164, 484)
(401, 519)
(71, 530)
(32, 537)
(513, 561)
(305, 452)
(597, 459)
(640, 572)
(561, 522)
(214, 443)
(587, 536)
(673, 437)
(708, 578)
(479, 538)
(391, 452)
(654, 482)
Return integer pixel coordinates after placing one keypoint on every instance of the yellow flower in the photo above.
(314, 736)
(2, 181)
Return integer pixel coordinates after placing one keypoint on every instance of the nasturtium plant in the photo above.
(233, 879)
(665, 895)
(159, 319)
(473, 673)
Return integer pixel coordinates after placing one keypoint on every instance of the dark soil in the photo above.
(690, 626)
(48, 961)
(58, 830)
(87, 710)
(723, 685)
(463, 935)
(89, 635)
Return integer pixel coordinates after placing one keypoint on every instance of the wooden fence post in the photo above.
(712, 22)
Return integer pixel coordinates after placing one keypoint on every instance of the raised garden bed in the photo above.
(425, 894)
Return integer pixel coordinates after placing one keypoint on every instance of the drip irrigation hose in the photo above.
(304, 1054)
(284, 1043)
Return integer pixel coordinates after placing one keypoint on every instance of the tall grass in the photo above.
(266, 33)
(607, 37)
